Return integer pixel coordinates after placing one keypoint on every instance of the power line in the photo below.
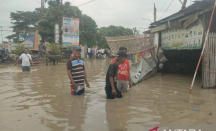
(7, 33)
(86, 3)
(166, 9)
(163, 6)
(38, 1)
(11, 1)
(6, 25)
(5, 29)
(6, 2)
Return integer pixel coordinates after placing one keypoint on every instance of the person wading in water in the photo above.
(26, 58)
(77, 73)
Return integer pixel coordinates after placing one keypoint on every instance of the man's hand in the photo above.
(130, 84)
(87, 84)
(114, 92)
(74, 86)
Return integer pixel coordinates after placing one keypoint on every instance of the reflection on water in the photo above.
(41, 100)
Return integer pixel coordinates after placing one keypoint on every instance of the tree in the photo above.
(111, 31)
(88, 31)
(47, 24)
(20, 49)
(24, 21)
(5, 42)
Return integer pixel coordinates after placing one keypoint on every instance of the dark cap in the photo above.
(121, 54)
(77, 48)
(122, 48)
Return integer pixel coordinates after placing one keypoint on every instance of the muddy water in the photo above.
(40, 100)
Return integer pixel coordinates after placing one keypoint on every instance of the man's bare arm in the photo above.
(32, 62)
(71, 79)
(17, 61)
(112, 82)
(70, 76)
(129, 78)
(86, 80)
(85, 76)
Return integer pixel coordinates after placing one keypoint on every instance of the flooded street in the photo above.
(41, 100)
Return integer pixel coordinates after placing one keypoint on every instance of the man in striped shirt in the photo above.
(77, 73)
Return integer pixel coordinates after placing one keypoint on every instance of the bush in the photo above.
(54, 49)
(19, 50)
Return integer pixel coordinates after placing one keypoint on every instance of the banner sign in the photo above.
(183, 39)
(70, 31)
(27, 40)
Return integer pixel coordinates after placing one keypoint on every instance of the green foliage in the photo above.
(12, 37)
(5, 42)
(88, 31)
(55, 49)
(24, 20)
(20, 49)
(47, 24)
(90, 35)
(111, 31)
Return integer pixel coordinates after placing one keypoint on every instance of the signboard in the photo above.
(183, 39)
(70, 31)
(56, 33)
(26, 45)
(27, 40)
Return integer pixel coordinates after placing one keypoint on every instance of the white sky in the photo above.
(126, 13)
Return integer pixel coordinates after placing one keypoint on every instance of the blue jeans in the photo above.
(40, 54)
(25, 68)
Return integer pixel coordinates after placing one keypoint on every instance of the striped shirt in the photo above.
(77, 70)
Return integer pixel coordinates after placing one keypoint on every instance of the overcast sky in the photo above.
(126, 13)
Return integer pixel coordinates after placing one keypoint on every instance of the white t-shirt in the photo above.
(102, 51)
(89, 50)
(25, 59)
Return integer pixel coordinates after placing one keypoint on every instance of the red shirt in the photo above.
(123, 70)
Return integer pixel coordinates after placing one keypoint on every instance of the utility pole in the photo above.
(184, 4)
(42, 8)
(60, 26)
(1, 33)
(155, 13)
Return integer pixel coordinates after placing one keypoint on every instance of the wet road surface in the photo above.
(40, 100)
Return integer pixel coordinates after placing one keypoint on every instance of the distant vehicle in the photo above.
(4, 54)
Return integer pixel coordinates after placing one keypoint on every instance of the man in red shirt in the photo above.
(123, 73)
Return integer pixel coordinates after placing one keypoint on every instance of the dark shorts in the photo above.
(110, 95)
(25, 68)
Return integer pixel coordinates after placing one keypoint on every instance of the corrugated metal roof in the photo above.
(197, 6)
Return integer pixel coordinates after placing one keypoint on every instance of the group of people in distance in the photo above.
(117, 77)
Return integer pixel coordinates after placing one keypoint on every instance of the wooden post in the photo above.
(155, 13)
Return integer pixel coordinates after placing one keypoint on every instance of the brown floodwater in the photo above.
(40, 100)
